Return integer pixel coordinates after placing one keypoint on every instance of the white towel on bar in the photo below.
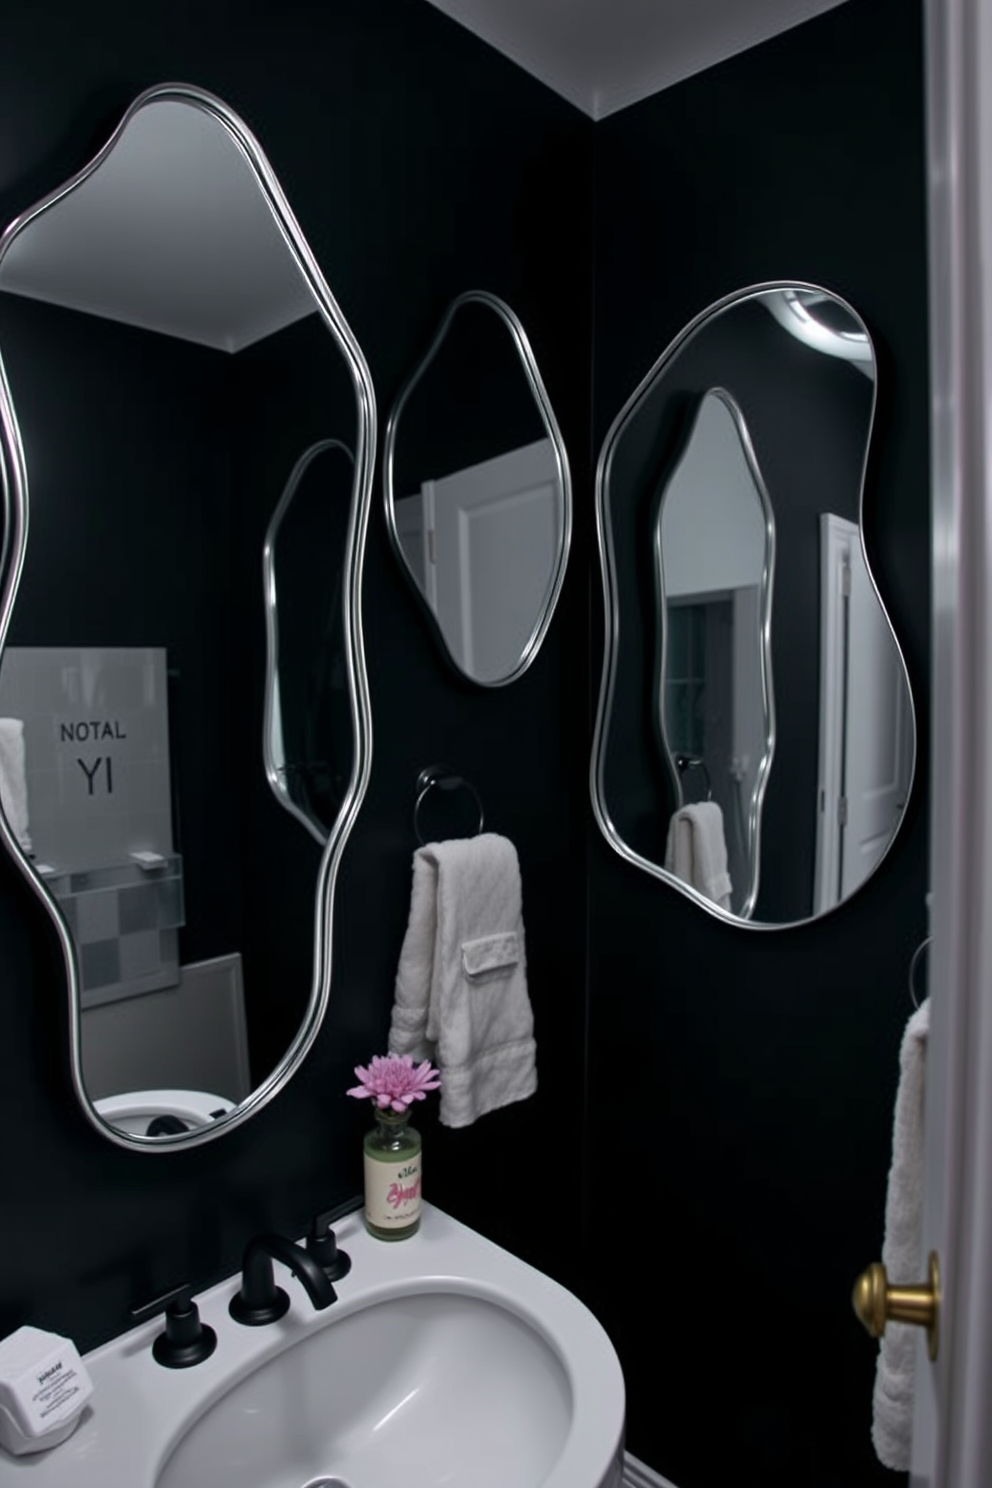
(13, 780)
(902, 1250)
(696, 851)
(461, 985)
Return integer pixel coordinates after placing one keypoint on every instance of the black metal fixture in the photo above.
(186, 1339)
(260, 1301)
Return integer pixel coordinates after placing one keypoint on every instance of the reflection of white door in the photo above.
(497, 537)
(865, 721)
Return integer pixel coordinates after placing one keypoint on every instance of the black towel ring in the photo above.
(442, 778)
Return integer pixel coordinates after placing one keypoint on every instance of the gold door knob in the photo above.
(877, 1303)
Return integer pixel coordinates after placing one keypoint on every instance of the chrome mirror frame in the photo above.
(14, 478)
(530, 369)
(275, 766)
(611, 608)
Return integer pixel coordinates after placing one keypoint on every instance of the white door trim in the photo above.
(953, 1427)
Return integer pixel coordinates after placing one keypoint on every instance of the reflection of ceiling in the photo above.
(171, 233)
(605, 54)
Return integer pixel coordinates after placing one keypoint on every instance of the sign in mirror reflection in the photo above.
(172, 355)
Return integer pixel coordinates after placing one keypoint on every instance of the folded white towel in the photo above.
(902, 1256)
(461, 986)
(13, 780)
(696, 851)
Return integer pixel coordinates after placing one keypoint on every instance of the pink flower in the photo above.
(394, 1080)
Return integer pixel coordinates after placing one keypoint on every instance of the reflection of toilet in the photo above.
(171, 1110)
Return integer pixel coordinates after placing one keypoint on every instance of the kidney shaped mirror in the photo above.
(178, 385)
(755, 738)
(477, 488)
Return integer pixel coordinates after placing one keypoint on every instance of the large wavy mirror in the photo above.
(755, 738)
(477, 489)
(184, 718)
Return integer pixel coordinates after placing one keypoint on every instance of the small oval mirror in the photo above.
(477, 490)
(755, 739)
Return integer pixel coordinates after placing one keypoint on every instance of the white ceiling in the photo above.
(605, 54)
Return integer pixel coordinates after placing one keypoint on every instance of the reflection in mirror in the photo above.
(755, 738)
(715, 554)
(478, 494)
(308, 735)
(170, 348)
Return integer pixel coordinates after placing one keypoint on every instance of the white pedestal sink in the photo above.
(445, 1363)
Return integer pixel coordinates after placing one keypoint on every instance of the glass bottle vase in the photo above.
(392, 1177)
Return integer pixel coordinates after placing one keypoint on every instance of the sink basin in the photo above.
(445, 1363)
(414, 1388)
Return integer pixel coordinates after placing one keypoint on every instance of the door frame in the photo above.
(953, 1427)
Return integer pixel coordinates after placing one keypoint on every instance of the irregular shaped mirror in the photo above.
(478, 494)
(189, 400)
(755, 739)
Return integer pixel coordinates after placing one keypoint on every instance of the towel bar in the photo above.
(443, 778)
(913, 967)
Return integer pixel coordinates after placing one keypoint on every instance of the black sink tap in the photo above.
(260, 1300)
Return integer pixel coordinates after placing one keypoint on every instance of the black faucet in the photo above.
(260, 1300)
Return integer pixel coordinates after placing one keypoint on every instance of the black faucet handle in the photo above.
(323, 1246)
(186, 1339)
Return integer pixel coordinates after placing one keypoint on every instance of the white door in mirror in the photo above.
(445, 1359)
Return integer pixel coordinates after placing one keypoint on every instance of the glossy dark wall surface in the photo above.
(419, 164)
(749, 1149)
(737, 1087)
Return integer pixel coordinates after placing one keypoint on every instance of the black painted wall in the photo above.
(734, 1089)
(420, 164)
(749, 1149)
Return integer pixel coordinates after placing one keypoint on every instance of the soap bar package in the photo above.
(43, 1389)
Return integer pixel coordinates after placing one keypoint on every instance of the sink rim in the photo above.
(384, 1292)
(140, 1411)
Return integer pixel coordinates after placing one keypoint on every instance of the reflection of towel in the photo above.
(461, 988)
(697, 851)
(892, 1426)
(13, 781)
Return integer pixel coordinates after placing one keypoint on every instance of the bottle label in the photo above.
(392, 1193)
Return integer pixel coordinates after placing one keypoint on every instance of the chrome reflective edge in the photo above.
(539, 393)
(611, 639)
(765, 631)
(16, 509)
(275, 768)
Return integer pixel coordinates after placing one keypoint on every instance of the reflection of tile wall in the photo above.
(96, 745)
(124, 922)
(96, 757)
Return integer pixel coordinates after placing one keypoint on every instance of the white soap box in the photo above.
(43, 1390)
